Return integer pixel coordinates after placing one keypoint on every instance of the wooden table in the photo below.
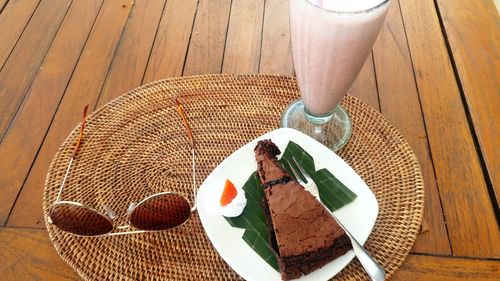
(434, 73)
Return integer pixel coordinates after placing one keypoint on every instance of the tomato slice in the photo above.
(228, 194)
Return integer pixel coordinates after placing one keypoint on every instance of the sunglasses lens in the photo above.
(161, 212)
(80, 220)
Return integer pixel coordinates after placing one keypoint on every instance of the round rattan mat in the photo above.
(136, 146)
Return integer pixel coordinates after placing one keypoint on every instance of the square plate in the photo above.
(358, 216)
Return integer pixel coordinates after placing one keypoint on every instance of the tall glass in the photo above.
(331, 40)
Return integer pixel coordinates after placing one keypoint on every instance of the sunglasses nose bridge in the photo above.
(131, 208)
(111, 214)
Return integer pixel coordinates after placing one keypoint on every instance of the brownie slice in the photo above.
(303, 233)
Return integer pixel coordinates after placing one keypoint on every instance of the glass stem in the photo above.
(319, 120)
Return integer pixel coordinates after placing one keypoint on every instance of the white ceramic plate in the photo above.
(359, 216)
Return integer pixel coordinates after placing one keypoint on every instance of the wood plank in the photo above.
(28, 254)
(84, 88)
(27, 57)
(473, 32)
(131, 58)
(170, 47)
(206, 48)
(276, 54)
(472, 226)
(400, 104)
(14, 18)
(430, 268)
(35, 114)
(243, 44)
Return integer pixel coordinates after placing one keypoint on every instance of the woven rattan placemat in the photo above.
(136, 146)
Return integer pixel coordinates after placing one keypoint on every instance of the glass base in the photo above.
(333, 130)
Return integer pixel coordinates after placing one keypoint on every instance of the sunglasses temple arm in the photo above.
(75, 150)
(180, 110)
(64, 179)
(194, 179)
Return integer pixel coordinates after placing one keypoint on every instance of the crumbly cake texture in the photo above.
(302, 232)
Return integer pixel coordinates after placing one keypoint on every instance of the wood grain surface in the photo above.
(84, 88)
(433, 73)
(13, 20)
(276, 51)
(472, 32)
(27, 56)
(244, 37)
(2, 4)
(28, 254)
(35, 115)
(208, 40)
(132, 54)
(472, 226)
(400, 104)
(418, 267)
(172, 40)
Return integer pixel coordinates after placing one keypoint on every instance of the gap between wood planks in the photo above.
(191, 36)
(3, 3)
(261, 34)
(225, 40)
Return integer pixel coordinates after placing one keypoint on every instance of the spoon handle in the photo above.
(371, 266)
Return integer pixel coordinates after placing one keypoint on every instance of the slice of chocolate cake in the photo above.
(303, 233)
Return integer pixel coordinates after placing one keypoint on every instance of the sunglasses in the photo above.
(157, 212)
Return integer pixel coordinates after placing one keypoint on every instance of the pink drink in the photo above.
(331, 40)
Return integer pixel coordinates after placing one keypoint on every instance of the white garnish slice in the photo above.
(235, 207)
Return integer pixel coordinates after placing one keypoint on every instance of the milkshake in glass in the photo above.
(331, 40)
